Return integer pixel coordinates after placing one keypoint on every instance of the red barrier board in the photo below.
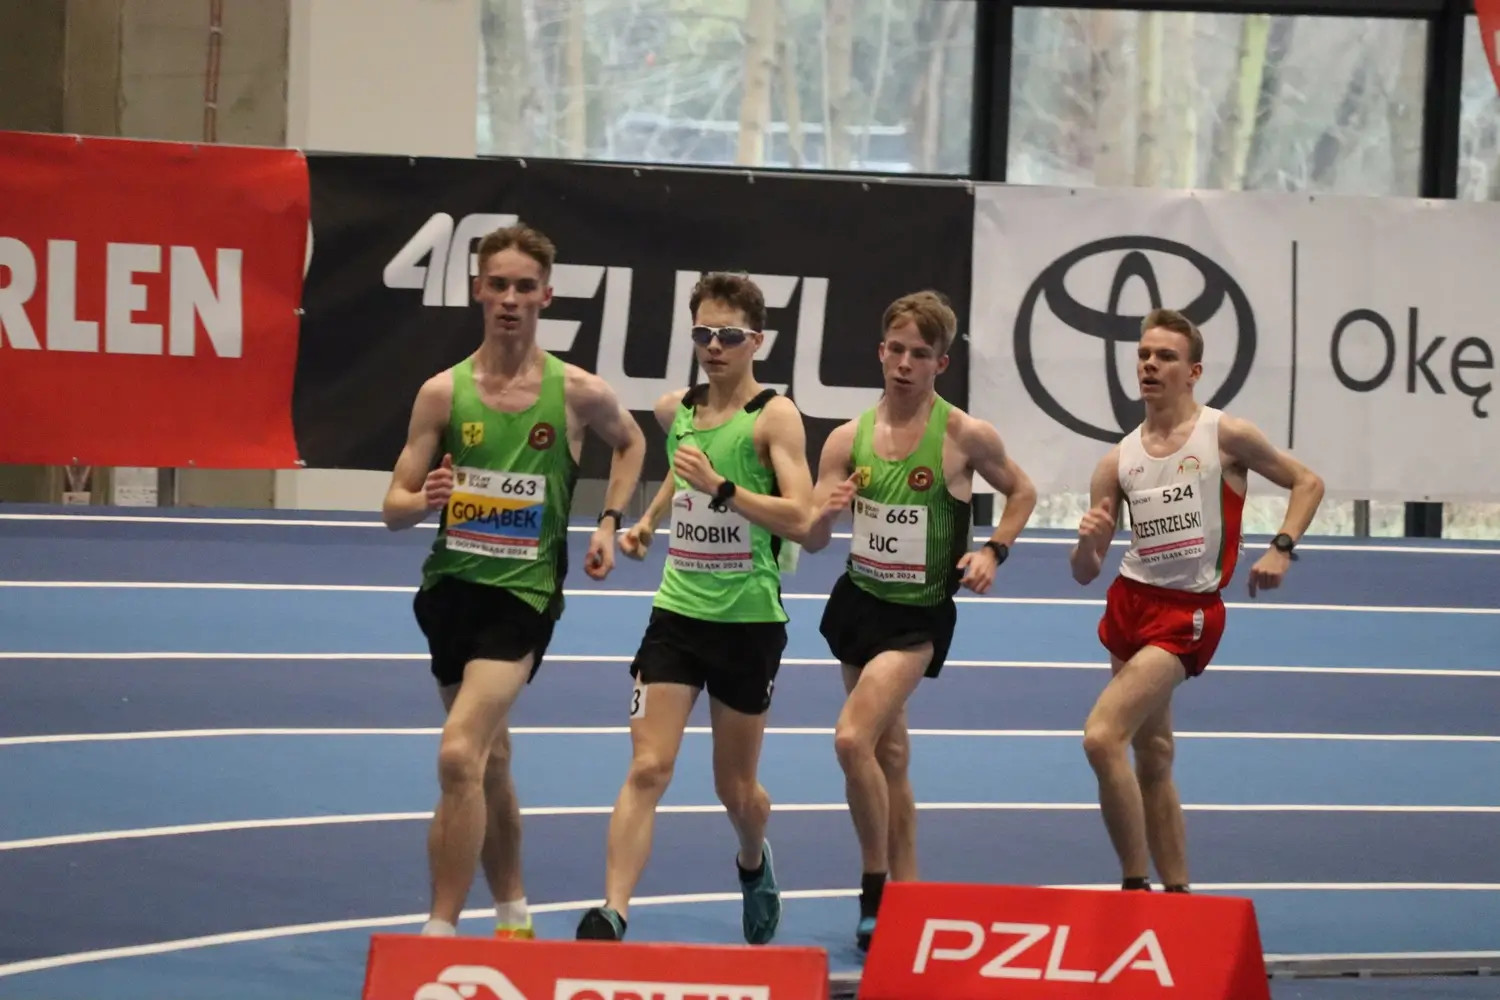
(148, 301)
(409, 967)
(967, 942)
(1489, 33)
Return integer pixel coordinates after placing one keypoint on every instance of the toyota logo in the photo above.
(1113, 327)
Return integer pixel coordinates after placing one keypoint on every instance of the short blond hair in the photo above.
(929, 310)
(1176, 322)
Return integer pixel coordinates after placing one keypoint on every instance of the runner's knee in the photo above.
(461, 763)
(1102, 741)
(737, 792)
(651, 772)
(851, 743)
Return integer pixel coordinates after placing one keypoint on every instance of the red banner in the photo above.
(402, 966)
(975, 942)
(1489, 33)
(148, 302)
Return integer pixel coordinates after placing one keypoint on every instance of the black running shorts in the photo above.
(736, 661)
(860, 626)
(466, 621)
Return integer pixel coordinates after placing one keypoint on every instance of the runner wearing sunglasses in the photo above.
(738, 490)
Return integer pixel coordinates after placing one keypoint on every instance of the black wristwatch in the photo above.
(1001, 551)
(722, 496)
(1284, 543)
(611, 512)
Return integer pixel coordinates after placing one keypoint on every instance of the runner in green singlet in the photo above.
(493, 444)
(906, 467)
(738, 491)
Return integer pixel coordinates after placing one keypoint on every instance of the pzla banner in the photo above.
(1356, 333)
(388, 300)
(148, 302)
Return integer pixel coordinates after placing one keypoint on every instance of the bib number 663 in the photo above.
(518, 487)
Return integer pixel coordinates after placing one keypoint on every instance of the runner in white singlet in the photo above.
(1181, 475)
(1184, 511)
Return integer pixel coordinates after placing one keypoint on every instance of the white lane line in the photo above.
(612, 593)
(345, 819)
(173, 734)
(169, 655)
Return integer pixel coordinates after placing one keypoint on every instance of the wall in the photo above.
(400, 76)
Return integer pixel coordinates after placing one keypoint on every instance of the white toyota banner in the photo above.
(1360, 334)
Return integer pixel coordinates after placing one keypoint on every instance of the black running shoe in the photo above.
(601, 924)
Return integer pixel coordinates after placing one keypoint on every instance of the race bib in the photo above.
(890, 541)
(496, 514)
(706, 540)
(1167, 522)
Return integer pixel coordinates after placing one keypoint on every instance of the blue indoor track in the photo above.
(218, 736)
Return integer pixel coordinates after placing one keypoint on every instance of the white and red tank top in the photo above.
(1184, 517)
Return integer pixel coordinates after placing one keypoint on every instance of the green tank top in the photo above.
(909, 531)
(506, 524)
(719, 566)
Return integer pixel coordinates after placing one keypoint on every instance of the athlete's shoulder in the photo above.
(959, 420)
(963, 428)
(672, 400)
(779, 419)
(440, 383)
(1238, 436)
(435, 395)
(779, 407)
(1231, 426)
(667, 405)
(839, 444)
(583, 388)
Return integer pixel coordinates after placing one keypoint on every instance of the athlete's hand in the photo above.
(1097, 525)
(691, 464)
(636, 540)
(439, 485)
(839, 500)
(1268, 570)
(601, 556)
(979, 569)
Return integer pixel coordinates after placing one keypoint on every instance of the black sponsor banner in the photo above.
(388, 303)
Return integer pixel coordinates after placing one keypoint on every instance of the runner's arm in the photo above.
(1248, 445)
(784, 515)
(406, 503)
(987, 456)
(1097, 526)
(833, 473)
(595, 401)
(666, 411)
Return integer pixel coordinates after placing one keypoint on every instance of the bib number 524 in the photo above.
(1174, 493)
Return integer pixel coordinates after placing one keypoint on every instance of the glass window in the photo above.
(1478, 180)
(1114, 97)
(762, 83)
